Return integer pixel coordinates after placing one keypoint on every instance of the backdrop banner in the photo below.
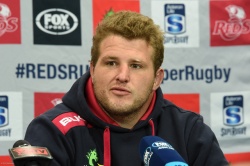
(45, 46)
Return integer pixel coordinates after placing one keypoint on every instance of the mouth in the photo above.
(120, 91)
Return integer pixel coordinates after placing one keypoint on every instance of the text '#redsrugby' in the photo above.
(74, 71)
(49, 71)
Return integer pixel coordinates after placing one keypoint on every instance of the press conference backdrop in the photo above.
(45, 46)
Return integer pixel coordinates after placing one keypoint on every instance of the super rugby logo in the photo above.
(235, 26)
(56, 21)
(7, 23)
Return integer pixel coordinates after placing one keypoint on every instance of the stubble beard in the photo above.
(122, 110)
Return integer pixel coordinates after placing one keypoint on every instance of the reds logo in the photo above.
(7, 23)
(236, 25)
(235, 12)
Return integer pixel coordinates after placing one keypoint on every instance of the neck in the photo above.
(128, 121)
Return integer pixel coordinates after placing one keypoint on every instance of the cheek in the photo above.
(100, 78)
(144, 82)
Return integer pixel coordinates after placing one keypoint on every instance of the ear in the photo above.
(158, 78)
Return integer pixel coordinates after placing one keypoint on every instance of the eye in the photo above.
(136, 66)
(111, 63)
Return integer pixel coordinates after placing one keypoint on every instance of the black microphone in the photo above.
(155, 151)
(23, 154)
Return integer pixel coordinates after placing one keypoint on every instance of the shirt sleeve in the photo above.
(205, 150)
(42, 132)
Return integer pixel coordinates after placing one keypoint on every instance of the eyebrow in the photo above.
(110, 57)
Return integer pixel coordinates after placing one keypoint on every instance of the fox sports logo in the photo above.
(56, 21)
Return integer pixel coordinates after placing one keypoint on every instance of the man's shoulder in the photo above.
(52, 113)
(63, 118)
(174, 110)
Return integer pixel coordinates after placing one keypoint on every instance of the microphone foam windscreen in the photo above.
(155, 151)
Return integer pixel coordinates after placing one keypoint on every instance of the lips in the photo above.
(120, 91)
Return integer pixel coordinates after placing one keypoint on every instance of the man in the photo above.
(112, 107)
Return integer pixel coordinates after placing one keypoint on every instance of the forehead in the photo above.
(118, 45)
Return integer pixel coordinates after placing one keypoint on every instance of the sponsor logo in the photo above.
(4, 111)
(147, 155)
(10, 22)
(233, 110)
(162, 145)
(230, 23)
(92, 157)
(177, 19)
(236, 25)
(233, 116)
(208, 75)
(4, 116)
(64, 121)
(102, 9)
(228, 115)
(45, 101)
(56, 101)
(56, 21)
(175, 23)
(10, 116)
(30, 151)
(234, 131)
(7, 23)
(68, 120)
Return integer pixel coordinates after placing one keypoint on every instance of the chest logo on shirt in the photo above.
(92, 158)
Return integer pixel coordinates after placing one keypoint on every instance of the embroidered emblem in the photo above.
(92, 157)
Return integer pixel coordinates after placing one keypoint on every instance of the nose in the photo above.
(123, 74)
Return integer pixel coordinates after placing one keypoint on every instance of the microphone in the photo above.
(155, 151)
(23, 154)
